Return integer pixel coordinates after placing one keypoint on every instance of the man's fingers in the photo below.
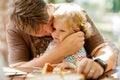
(77, 29)
(96, 75)
(95, 71)
(91, 73)
(88, 67)
(81, 65)
(80, 34)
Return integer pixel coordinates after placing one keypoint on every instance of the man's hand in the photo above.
(90, 68)
(73, 43)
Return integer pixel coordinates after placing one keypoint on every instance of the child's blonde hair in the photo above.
(73, 13)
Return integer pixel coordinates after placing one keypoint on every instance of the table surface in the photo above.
(110, 75)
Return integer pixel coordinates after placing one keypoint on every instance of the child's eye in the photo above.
(54, 29)
(62, 30)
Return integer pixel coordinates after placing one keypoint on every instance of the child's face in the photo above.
(60, 31)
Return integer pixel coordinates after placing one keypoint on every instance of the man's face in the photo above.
(46, 29)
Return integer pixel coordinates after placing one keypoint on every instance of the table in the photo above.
(112, 74)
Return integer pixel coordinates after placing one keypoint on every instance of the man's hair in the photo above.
(73, 13)
(28, 14)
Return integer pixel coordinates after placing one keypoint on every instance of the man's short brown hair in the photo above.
(28, 14)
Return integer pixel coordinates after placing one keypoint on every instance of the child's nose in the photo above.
(54, 34)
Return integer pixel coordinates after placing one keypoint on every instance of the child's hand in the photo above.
(63, 65)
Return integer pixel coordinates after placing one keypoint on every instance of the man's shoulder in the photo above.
(11, 27)
(13, 31)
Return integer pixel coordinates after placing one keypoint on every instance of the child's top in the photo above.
(73, 60)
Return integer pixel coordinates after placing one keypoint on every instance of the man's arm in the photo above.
(106, 54)
(57, 54)
(96, 48)
(18, 51)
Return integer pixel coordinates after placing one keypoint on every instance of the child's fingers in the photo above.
(77, 29)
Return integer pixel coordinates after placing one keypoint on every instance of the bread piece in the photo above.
(48, 68)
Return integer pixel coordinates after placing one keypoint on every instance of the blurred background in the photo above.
(104, 13)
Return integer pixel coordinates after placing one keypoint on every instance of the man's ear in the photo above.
(51, 20)
(51, 10)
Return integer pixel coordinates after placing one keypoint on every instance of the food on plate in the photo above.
(48, 68)
(49, 72)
